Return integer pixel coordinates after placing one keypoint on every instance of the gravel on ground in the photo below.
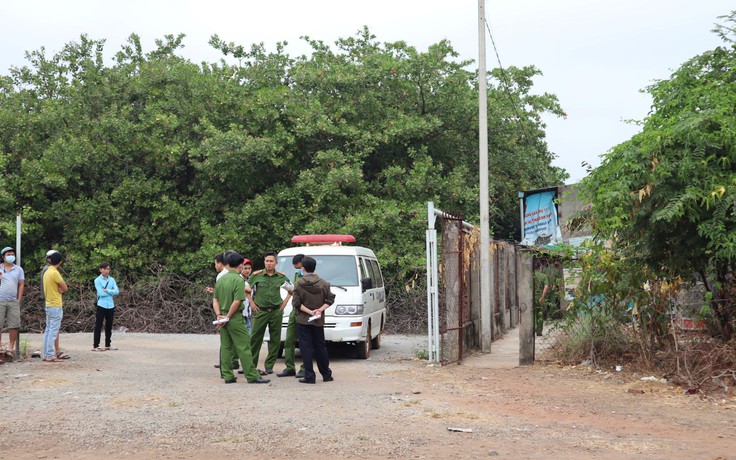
(159, 396)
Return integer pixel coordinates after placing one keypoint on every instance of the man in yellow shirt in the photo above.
(53, 286)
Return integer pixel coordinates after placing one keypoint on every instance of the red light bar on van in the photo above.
(322, 239)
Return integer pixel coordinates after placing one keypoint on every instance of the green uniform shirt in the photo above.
(229, 288)
(268, 288)
(547, 276)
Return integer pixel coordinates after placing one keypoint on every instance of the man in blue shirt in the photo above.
(12, 285)
(106, 288)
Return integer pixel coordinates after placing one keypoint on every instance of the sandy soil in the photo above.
(159, 396)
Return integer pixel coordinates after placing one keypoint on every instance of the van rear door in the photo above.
(373, 296)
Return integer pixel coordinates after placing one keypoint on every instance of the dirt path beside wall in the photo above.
(159, 396)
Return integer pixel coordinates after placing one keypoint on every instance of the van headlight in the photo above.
(349, 310)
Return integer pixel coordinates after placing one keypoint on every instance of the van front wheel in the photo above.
(363, 349)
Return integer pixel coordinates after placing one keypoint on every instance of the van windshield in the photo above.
(338, 270)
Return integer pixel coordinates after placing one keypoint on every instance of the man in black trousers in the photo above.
(312, 296)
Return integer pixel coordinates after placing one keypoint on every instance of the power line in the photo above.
(506, 84)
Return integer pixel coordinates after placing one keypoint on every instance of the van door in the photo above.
(369, 294)
(378, 277)
(373, 296)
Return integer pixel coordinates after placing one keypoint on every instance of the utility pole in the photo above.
(486, 318)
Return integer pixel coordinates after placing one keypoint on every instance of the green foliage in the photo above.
(616, 311)
(158, 162)
(597, 339)
(421, 354)
(666, 198)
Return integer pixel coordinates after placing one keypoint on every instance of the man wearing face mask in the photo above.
(12, 285)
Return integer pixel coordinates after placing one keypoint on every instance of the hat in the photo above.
(247, 262)
(48, 254)
(6, 249)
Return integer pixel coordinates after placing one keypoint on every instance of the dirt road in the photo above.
(159, 396)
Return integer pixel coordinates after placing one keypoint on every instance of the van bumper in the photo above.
(344, 329)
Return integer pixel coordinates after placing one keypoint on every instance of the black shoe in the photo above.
(217, 366)
(260, 380)
(286, 373)
(306, 381)
(269, 371)
(231, 381)
(236, 365)
(299, 375)
(262, 372)
(240, 371)
(328, 379)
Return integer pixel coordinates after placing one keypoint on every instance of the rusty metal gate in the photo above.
(454, 311)
(454, 321)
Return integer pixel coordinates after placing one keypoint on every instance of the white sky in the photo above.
(595, 54)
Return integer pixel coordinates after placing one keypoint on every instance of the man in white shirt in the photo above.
(12, 286)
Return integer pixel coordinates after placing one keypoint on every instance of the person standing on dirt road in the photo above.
(247, 310)
(106, 288)
(291, 330)
(265, 300)
(312, 296)
(221, 271)
(219, 268)
(547, 287)
(12, 285)
(247, 268)
(57, 346)
(234, 337)
(54, 286)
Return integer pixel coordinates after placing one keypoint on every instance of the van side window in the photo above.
(377, 277)
(363, 273)
(371, 273)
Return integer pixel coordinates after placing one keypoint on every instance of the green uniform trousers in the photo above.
(290, 343)
(235, 341)
(262, 319)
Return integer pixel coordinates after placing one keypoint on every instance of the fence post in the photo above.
(525, 289)
(433, 334)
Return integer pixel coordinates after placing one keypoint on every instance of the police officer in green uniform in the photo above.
(268, 307)
(291, 331)
(234, 338)
(547, 281)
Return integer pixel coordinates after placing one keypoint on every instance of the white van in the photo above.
(358, 315)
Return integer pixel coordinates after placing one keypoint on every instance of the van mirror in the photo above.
(366, 284)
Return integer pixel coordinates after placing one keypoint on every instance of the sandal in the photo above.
(62, 355)
(98, 349)
(53, 360)
(111, 348)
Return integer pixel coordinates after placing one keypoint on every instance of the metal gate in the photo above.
(454, 312)
(455, 323)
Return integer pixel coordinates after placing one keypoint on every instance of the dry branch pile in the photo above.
(167, 304)
(171, 304)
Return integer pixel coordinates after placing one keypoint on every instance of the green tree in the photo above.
(157, 161)
(666, 197)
